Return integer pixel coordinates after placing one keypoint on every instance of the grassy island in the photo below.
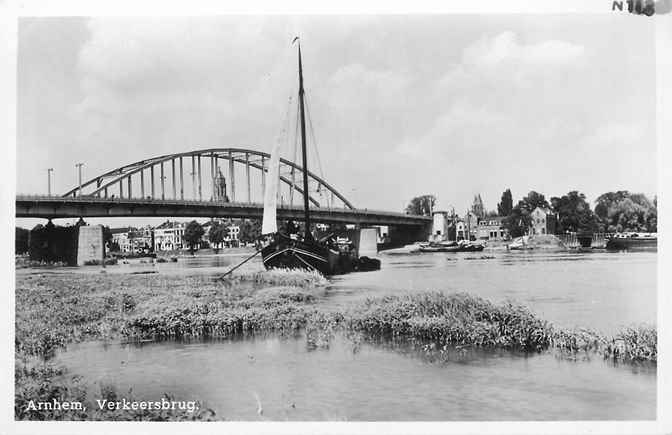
(54, 309)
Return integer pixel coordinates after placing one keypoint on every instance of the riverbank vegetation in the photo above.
(55, 309)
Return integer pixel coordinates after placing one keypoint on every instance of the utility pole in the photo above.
(49, 171)
(79, 167)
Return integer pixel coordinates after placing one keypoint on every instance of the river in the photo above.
(375, 381)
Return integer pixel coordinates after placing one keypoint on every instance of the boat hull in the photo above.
(286, 253)
(454, 248)
(631, 243)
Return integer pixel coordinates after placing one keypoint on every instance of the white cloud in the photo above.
(504, 61)
(505, 47)
(354, 85)
(617, 135)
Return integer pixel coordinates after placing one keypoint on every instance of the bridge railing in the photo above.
(188, 202)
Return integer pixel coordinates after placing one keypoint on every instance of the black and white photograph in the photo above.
(337, 218)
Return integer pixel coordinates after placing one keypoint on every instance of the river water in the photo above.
(375, 381)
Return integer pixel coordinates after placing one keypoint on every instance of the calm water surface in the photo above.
(380, 382)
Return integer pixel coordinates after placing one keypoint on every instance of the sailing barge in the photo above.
(329, 255)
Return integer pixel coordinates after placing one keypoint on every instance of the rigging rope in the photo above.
(286, 123)
(317, 154)
(312, 135)
(285, 127)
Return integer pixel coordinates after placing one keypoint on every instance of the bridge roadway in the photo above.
(52, 207)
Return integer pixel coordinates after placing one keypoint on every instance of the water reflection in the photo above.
(372, 381)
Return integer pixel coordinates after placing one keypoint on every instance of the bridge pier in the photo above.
(151, 176)
(142, 183)
(72, 245)
(367, 243)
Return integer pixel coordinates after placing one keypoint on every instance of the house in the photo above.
(231, 239)
(491, 228)
(232, 232)
(120, 238)
(141, 239)
(169, 236)
(542, 221)
(468, 224)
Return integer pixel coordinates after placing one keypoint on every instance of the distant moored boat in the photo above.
(634, 241)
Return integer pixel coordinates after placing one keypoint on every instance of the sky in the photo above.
(402, 105)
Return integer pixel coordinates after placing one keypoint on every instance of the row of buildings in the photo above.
(447, 226)
(169, 236)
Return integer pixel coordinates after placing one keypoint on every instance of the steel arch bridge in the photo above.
(167, 181)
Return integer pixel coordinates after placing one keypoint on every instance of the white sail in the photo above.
(269, 224)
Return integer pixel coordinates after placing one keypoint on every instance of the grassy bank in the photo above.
(53, 310)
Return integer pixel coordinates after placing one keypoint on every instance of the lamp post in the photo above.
(79, 167)
(49, 171)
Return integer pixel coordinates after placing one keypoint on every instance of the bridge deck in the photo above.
(28, 206)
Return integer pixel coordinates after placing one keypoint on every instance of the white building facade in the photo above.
(169, 236)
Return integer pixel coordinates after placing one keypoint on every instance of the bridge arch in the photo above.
(124, 179)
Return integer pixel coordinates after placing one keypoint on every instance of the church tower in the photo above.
(219, 187)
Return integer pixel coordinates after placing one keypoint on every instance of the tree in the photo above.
(21, 241)
(505, 206)
(477, 207)
(216, 234)
(250, 230)
(519, 220)
(606, 200)
(192, 235)
(338, 228)
(574, 213)
(624, 211)
(291, 227)
(632, 215)
(107, 238)
(421, 205)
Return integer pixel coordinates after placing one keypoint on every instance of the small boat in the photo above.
(520, 244)
(442, 246)
(469, 246)
(632, 241)
(472, 247)
(447, 246)
(329, 255)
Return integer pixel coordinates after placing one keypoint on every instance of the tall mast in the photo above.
(304, 151)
